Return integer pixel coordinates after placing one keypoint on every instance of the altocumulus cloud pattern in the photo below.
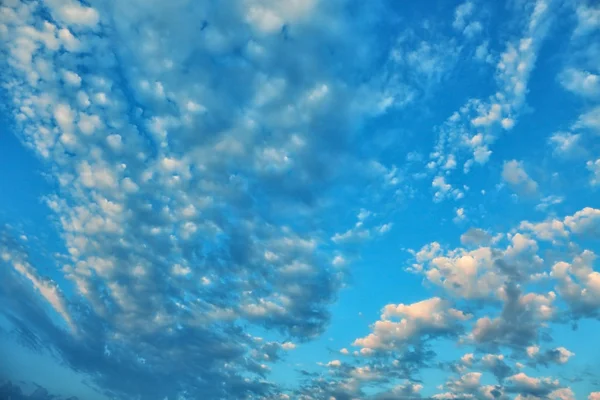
(300, 199)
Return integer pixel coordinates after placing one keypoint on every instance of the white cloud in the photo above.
(566, 144)
(460, 215)
(482, 53)
(473, 29)
(562, 394)
(74, 13)
(594, 168)
(588, 19)
(579, 284)
(422, 318)
(193, 178)
(584, 222)
(444, 190)
(47, 289)
(589, 120)
(288, 346)
(513, 173)
(468, 358)
(522, 381)
(360, 232)
(462, 12)
(580, 82)
(71, 78)
(169, 170)
(549, 201)
(270, 16)
(468, 274)
(564, 355)
(463, 20)
(550, 230)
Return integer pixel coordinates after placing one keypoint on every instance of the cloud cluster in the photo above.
(492, 279)
(211, 181)
(428, 317)
(467, 135)
(178, 163)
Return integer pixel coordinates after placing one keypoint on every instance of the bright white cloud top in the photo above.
(217, 197)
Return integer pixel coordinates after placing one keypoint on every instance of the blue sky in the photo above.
(310, 199)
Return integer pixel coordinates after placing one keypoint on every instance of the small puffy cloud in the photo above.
(288, 346)
(588, 19)
(578, 283)
(496, 364)
(460, 215)
(467, 359)
(463, 21)
(589, 120)
(475, 237)
(444, 190)
(530, 386)
(71, 78)
(548, 230)
(463, 11)
(562, 394)
(488, 115)
(466, 383)
(468, 386)
(594, 168)
(482, 53)
(270, 16)
(584, 222)
(432, 317)
(566, 144)
(513, 173)
(408, 390)
(469, 274)
(338, 261)
(559, 355)
(74, 13)
(580, 82)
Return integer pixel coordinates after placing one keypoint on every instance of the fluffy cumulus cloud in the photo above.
(213, 181)
(492, 277)
(580, 82)
(590, 120)
(416, 321)
(529, 386)
(464, 21)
